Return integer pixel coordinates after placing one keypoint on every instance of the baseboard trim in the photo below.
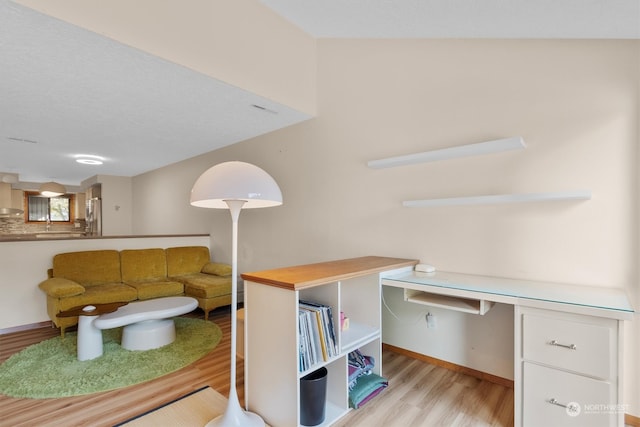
(21, 328)
(451, 366)
(631, 420)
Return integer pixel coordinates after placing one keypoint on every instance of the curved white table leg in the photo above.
(89, 337)
(148, 334)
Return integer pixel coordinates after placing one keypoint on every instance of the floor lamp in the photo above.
(235, 186)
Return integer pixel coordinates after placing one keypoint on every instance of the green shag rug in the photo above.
(51, 369)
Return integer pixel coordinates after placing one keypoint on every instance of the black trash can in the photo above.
(313, 394)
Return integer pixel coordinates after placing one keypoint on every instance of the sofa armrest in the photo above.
(217, 269)
(59, 287)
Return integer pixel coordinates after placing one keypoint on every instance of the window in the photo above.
(55, 209)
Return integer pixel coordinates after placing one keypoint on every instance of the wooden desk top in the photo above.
(309, 275)
(581, 299)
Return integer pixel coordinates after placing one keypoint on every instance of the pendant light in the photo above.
(52, 189)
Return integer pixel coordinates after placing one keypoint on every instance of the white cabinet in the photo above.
(272, 374)
(569, 368)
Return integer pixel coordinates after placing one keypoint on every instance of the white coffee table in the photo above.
(147, 324)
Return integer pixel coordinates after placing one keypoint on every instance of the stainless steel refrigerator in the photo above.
(94, 217)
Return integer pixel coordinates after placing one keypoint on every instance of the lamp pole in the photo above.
(234, 415)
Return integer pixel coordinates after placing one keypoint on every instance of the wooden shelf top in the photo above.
(305, 276)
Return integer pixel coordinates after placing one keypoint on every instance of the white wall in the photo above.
(574, 102)
(117, 205)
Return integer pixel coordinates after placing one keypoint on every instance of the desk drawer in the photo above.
(590, 399)
(580, 344)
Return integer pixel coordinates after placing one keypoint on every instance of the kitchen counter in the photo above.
(44, 235)
(70, 235)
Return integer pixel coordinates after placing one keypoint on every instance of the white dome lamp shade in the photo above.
(52, 189)
(235, 186)
(235, 181)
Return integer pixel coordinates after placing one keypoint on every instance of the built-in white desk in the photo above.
(568, 341)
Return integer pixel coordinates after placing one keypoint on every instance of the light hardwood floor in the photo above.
(419, 394)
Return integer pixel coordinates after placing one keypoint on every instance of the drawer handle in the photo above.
(569, 346)
(571, 407)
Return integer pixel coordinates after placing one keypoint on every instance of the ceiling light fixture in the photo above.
(52, 189)
(88, 159)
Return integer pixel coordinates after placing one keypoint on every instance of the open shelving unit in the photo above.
(272, 374)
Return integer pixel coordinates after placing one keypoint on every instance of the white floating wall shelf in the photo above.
(480, 148)
(501, 199)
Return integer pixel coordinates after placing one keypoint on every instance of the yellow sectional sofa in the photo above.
(105, 276)
(208, 282)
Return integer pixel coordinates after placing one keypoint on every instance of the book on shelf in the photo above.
(318, 340)
(303, 334)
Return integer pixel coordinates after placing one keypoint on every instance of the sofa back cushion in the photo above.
(88, 267)
(186, 260)
(143, 264)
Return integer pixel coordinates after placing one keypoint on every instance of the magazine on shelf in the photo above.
(304, 357)
(313, 334)
(318, 340)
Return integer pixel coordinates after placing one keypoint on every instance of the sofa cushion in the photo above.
(88, 268)
(60, 287)
(200, 285)
(186, 260)
(157, 288)
(217, 269)
(100, 294)
(143, 265)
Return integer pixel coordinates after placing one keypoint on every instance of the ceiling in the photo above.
(66, 91)
(581, 19)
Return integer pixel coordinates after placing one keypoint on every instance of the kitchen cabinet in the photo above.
(80, 206)
(17, 199)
